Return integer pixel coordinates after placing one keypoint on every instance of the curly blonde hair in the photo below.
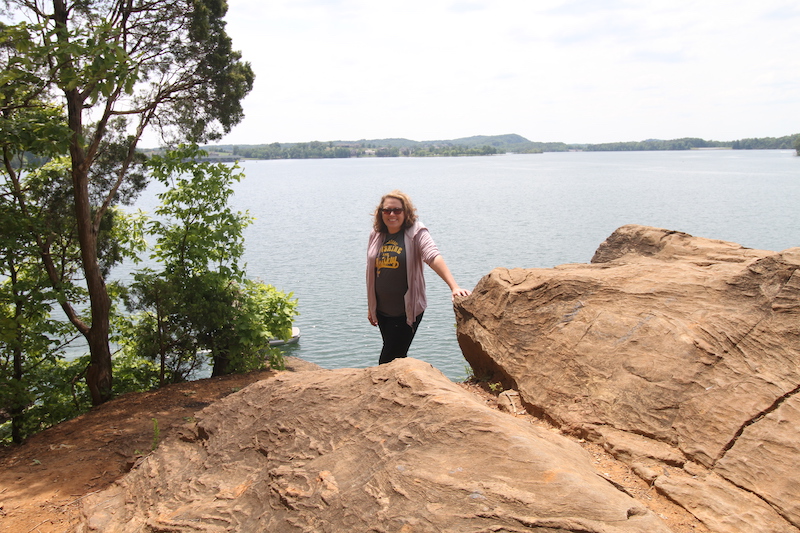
(409, 211)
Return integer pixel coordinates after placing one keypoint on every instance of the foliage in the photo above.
(39, 388)
(787, 142)
(478, 145)
(469, 374)
(47, 389)
(454, 151)
(30, 342)
(79, 84)
(312, 150)
(655, 144)
(37, 213)
(506, 142)
(57, 393)
(196, 229)
(276, 359)
(496, 387)
(119, 67)
(475, 146)
(31, 131)
(318, 150)
(200, 303)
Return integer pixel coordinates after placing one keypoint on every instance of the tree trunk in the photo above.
(221, 362)
(98, 374)
(99, 377)
(17, 409)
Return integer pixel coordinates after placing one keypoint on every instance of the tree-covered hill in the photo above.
(476, 145)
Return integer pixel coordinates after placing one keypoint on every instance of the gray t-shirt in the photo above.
(391, 277)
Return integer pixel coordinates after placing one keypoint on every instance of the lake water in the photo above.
(536, 211)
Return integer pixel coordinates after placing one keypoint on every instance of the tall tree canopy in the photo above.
(117, 68)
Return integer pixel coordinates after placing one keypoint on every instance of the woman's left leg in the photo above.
(397, 336)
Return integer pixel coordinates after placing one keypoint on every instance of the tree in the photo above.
(200, 300)
(31, 131)
(37, 388)
(121, 67)
(29, 337)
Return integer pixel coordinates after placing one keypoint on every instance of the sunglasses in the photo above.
(392, 210)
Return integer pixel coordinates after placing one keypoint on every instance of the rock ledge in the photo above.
(395, 448)
(669, 350)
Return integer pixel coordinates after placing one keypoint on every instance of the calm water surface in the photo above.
(535, 211)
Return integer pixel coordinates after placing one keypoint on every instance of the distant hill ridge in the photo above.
(478, 145)
(510, 139)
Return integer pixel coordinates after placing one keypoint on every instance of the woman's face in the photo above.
(395, 216)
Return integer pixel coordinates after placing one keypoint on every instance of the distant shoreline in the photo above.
(479, 145)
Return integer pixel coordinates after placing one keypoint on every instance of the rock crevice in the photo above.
(775, 406)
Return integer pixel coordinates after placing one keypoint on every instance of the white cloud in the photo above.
(582, 71)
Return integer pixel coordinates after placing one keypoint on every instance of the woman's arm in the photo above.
(440, 267)
(372, 253)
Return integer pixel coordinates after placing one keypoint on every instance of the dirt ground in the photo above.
(43, 481)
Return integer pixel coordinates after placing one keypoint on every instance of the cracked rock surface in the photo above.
(395, 448)
(667, 349)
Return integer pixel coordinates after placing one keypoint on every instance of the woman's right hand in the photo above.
(371, 320)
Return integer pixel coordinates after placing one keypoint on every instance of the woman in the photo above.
(398, 245)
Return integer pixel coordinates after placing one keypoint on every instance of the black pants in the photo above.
(397, 336)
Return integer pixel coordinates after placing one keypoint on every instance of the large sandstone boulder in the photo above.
(669, 349)
(395, 448)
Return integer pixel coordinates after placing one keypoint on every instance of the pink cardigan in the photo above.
(423, 249)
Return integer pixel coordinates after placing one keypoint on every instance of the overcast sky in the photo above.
(580, 71)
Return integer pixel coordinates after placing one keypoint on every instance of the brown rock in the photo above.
(682, 341)
(724, 511)
(392, 448)
(632, 448)
(764, 459)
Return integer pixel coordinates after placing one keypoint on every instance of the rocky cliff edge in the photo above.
(668, 349)
(395, 448)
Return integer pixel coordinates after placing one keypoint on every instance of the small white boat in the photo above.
(294, 339)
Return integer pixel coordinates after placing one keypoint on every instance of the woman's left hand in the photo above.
(458, 291)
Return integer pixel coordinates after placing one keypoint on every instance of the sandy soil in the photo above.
(43, 481)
